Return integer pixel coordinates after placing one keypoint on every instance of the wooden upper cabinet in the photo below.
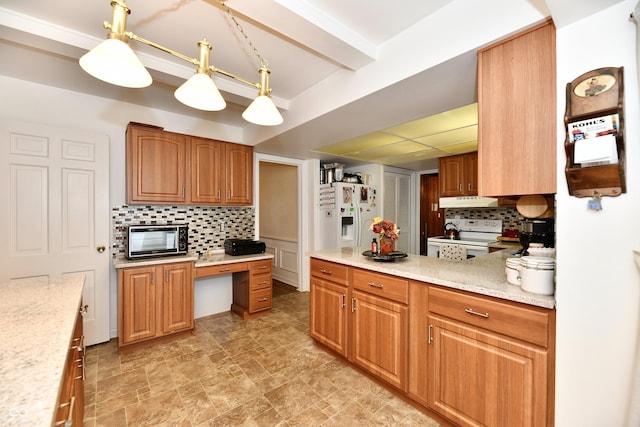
(156, 166)
(517, 114)
(170, 168)
(239, 174)
(458, 175)
(207, 171)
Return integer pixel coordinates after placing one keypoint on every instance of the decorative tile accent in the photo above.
(204, 224)
(511, 218)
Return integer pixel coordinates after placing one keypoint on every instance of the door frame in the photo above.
(305, 217)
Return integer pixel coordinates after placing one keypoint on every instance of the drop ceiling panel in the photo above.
(388, 150)
(453, 136)
(437, 123)
(361, 143)
(465, 147)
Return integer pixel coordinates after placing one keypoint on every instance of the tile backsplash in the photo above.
(205, 224)
(511, 218)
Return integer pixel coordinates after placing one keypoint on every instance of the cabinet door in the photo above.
(239, 174)
(156, 166)
(379, 337)
(207, 171)
(481, 379)
(177, 298)
(517, 115)
(471, 174)
(450, 173)
(328, 314)
(138, 299)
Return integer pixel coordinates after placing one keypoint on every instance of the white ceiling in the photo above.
(339, 69)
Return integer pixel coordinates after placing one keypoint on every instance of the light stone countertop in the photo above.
(36, 330)
(481, 275)
(216, 258)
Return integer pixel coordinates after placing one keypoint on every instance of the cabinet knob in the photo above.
(100, 248)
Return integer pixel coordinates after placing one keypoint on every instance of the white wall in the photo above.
(597, 282)
(32, 102)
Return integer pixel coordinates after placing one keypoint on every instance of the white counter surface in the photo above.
(218, 258)
(482, 275)
(36, 329)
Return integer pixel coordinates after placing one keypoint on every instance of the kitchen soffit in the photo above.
(450, 132)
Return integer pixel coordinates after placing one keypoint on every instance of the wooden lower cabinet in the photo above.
(482, 379)
(71, 401)
(328, 315)
(362, 316)
(479, 361)
(379, 337)
(328, 305)
(154, 301)
(470, 359)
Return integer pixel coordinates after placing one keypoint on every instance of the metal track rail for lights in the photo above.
(113, 61)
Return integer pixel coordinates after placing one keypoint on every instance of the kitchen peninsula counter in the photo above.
(36, 327)
(483, 275)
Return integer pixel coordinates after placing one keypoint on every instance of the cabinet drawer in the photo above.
(261, 281)
(508, 319)
(330, 271)
(260, 300)
(393, 288)
(214, 270)
(262, 266)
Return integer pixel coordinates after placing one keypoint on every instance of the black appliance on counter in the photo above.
(243, 247)
(537, 231)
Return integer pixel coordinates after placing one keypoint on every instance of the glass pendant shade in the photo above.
(201, 93)
(262, 111)
(114, 62)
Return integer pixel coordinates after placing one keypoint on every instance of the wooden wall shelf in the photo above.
(596, 96)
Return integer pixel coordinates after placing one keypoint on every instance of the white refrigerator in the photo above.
(346, 213)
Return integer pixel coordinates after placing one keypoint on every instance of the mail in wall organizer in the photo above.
(594, 123)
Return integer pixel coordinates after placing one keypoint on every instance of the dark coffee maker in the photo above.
(537, 231)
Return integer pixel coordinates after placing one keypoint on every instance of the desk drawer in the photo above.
(215, 270)
(393, 288)
(261, 281)
(513, 320)
(262, 266)
(260, 300)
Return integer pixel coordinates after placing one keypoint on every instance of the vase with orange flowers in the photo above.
(388, 235)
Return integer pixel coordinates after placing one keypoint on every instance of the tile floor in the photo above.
(260, 372)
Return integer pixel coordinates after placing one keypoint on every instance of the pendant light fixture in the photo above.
(113, 61)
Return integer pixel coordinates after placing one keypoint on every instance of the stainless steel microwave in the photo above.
(157, 240)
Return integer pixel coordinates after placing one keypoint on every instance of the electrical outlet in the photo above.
(222, 226)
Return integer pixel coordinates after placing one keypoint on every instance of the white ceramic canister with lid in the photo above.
(537, 274)
(512, 271)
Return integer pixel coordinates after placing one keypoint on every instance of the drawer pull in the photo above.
(263, 267)
(475, 313)
(263, 299)
(264, 282)
(223, 270)
(323, 271)
(69, 421)
(376, 285)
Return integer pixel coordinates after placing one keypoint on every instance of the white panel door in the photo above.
(397, 206)
(55, 184)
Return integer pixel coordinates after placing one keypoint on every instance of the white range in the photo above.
(475, 235)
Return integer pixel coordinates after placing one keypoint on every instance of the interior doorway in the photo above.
(431, 216)
(278, 219)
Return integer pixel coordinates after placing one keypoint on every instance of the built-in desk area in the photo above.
(156, 295)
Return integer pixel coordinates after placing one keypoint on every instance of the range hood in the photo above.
(468, 202)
